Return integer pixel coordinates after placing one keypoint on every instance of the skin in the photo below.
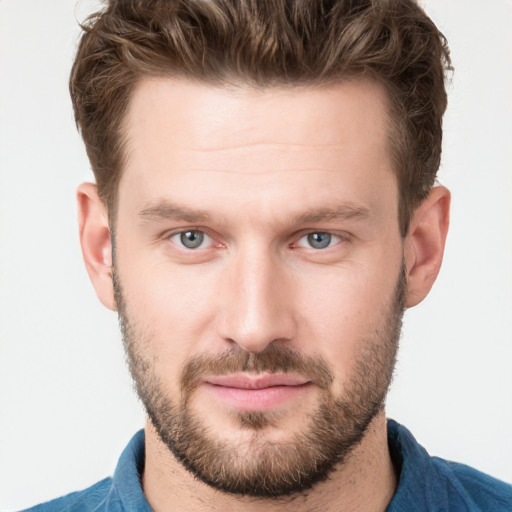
(261, 167)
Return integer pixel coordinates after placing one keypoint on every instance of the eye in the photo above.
(319, 240)
(191, 239)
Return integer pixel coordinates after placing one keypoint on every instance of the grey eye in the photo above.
(319, 240)
(191, 239)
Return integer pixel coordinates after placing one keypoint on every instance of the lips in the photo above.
(255, 392)
(256, 381)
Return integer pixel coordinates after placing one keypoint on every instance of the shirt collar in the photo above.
(126, 482)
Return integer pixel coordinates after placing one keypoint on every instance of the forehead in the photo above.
(207, 117)
(248, 145)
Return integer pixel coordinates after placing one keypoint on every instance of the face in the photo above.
(258, 275)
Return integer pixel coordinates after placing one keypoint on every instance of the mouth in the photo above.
(258, 392)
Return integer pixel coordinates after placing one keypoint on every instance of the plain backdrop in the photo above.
(67, 407)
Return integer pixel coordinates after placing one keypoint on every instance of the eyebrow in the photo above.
(164, 210)
(346, 211)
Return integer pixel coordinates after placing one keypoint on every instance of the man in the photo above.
(264, 211)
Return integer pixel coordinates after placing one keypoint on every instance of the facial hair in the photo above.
(259, 467)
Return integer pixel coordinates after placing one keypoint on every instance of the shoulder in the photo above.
(431, 484)
(117, 494)
(486, 492)
(93, 498)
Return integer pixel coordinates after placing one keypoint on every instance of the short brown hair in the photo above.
(264, 43)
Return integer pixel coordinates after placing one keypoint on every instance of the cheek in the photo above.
(164, 292)
(344, 311)
(169, 308)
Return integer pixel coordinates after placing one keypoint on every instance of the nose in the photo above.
(256, 301)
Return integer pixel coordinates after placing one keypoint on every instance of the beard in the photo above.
(261, 467)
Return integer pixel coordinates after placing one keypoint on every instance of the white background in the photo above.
(67, 409)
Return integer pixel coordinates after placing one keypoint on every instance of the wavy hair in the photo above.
(265, 43)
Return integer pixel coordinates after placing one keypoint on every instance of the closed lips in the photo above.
(256, 381)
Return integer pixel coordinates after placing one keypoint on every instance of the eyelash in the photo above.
(337, 238)
(179, 234)
(331, 237)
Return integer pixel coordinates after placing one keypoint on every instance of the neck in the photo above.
(366, 481)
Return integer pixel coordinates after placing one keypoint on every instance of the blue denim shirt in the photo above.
(425, 483)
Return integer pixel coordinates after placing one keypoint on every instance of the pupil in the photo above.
(319, 240)
(192, 239)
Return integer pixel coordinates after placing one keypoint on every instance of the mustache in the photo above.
(274, 359)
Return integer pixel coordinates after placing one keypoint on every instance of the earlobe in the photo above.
(96, 243)
(424, 246)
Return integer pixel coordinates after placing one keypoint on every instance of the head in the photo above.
(264, 171)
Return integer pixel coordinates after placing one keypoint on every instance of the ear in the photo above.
(95, 240)
(424, 245)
